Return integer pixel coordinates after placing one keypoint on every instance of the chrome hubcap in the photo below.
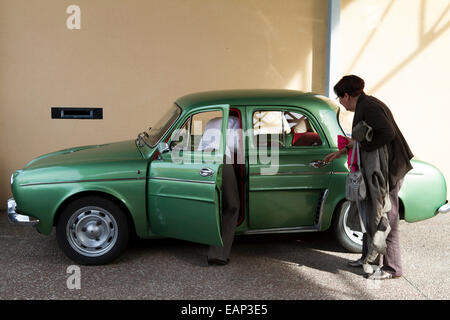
(355, 236)
(92, 231)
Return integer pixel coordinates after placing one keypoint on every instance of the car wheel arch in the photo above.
(401, 210)
(100, 194)
(344, 235)
(336, 212)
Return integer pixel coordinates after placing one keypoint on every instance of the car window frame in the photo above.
(301, 110)
(190, 118)
(162, 135)
(185, 117)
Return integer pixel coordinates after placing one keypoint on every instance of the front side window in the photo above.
(200, 132)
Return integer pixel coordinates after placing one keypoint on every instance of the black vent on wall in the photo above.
(76, 113)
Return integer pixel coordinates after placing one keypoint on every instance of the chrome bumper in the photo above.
(16, 218)
(445, 208)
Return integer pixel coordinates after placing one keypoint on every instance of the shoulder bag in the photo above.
(355, 189)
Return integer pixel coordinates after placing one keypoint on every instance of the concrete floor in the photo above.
(296, 267)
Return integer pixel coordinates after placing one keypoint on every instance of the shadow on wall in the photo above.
(426, 38)
(303, 44)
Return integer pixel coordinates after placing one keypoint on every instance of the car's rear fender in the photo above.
(423, 192)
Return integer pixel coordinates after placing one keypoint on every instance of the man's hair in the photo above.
(353, 85)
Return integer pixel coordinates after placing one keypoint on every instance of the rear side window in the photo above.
(287, 128)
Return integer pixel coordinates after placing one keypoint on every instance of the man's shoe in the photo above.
(356, 264)
(218, 262)
(381, 275)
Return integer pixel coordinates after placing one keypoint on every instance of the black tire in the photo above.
(92, 231)
(350, 239)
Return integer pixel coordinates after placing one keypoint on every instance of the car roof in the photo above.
(249, 97)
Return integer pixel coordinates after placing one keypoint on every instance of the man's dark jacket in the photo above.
(385, 131)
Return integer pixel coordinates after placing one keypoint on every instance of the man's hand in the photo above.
(335, 155)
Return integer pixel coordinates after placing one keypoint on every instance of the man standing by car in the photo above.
(350, 91)
(219, 255)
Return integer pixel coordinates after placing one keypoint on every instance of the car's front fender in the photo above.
(43, 201)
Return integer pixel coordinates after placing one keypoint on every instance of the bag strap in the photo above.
(353, 154)
(359, 156)
(356, 150)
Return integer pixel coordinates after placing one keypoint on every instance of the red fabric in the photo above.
(306, 139)
(342, 142)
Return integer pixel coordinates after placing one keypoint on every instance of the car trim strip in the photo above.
(294, 173)
(182, 197)
(275, 188)
(181, 180)
(79, 181)
(282, 230)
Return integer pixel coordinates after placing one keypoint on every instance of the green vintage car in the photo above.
(161, 185)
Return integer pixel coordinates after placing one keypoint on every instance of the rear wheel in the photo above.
(92, 230)
(346, 233)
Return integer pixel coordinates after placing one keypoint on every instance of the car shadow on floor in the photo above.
(316, 250)
(264, 256)
(312, 240)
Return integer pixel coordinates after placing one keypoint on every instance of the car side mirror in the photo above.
(163, 147)
(174, 142)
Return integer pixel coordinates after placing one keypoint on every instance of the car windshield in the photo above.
(155, 133)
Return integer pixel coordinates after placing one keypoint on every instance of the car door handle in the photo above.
(206, 172)
(318, 164)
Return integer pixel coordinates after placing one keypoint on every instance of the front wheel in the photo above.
(346, 228)
(92, 230)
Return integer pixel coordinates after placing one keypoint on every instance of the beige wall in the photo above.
(134, 58)
(401, 48)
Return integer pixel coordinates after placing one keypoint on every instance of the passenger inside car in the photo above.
(290, 129)
(270, 127)
(210, 141)
(304, 134)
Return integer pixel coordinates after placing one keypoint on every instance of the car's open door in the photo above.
(184, 191)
